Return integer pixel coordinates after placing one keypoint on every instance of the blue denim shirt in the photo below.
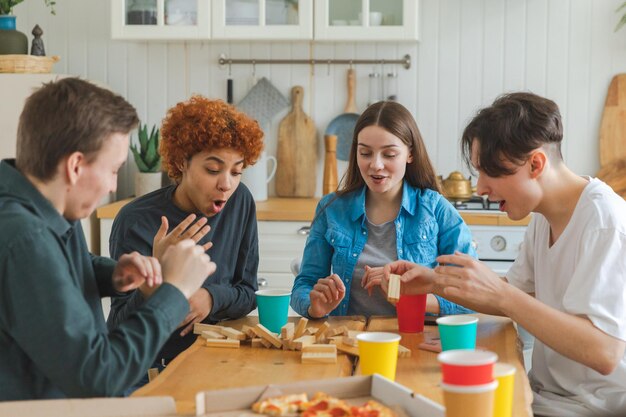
(427, 226)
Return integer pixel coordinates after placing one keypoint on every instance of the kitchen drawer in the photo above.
(279, 244)
(275, 280)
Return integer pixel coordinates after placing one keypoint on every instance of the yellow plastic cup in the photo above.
(378, 353)
(504, 373)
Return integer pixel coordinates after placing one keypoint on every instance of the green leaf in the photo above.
(138, 160)
(147, 154)
(621, 23)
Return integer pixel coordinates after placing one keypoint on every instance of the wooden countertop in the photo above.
(303, 209)
(200, 368)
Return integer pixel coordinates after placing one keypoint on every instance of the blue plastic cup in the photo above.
(457, 332)
(273, 308)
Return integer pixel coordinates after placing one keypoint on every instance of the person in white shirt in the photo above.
(568, 286)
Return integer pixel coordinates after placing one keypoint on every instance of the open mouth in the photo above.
(502, 204)
(378, 178)
(218, 205)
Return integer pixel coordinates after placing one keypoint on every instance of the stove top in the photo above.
(477, 204)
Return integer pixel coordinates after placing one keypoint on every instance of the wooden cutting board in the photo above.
(296, 170)
(612, 137)
(613, 126)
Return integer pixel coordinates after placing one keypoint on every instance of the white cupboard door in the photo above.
(262, 19)
(366, 20)
(160, 19)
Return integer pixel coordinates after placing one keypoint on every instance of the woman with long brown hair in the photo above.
(388, 207)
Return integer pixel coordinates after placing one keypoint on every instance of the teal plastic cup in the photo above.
(273, 308)
(457, 332)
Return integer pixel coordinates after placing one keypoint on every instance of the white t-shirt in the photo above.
(583, 274)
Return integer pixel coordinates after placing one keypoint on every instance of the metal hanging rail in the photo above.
(405, 61)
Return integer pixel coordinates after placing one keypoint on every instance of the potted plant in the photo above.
(13, 42)
(148, 161)
(6, 6)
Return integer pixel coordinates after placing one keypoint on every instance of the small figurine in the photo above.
(37, 48)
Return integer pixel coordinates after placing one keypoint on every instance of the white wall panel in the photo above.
(470, 51)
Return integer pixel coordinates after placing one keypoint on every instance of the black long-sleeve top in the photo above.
(235, 251)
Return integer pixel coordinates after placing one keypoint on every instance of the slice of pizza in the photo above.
(372, 409)
(324, 405)
(284, 405)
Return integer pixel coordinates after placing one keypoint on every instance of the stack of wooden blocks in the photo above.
(317, 344)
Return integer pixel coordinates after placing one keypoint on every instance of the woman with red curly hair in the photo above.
(205, 145)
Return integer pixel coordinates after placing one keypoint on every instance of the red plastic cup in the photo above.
(467, 367)
(411, 310)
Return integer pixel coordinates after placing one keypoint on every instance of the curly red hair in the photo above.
(200, 124)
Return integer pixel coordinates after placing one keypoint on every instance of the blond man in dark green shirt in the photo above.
(72, 139)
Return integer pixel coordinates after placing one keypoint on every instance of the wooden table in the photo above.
(200, 368)
(421, 371)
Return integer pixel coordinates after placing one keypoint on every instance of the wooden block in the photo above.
(249, 331)
(393, 291)
(287, 331)
(320, 335)
(350, 350)
(231, 333)
(350, 339)
(210, 334)
(319, 357)
(403, 352)
(300, 328)
(257, 342)
(288, 344)
(315, 347)
(266, 344)
(224, 343)
(152, 373)
(341, 330)
(198, 328)
(267, 335)
(303, 341)
(309, 331)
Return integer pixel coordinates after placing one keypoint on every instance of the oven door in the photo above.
(499, 267)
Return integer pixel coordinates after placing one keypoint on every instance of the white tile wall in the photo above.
(470, 51)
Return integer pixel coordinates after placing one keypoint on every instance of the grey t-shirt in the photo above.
(380, 249)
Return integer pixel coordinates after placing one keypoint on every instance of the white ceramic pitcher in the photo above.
(256, 178)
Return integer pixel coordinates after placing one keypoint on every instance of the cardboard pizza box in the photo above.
(356, 390)
(93, 407)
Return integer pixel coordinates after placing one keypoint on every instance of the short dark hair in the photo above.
(65, 116)
(510, 129)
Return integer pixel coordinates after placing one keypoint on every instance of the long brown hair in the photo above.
(397, 120)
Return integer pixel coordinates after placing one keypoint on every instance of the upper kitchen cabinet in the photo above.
(263, 19)
(366, 20)
(160, 19)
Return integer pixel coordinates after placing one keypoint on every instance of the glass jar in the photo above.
(375, 88)
(391, 86)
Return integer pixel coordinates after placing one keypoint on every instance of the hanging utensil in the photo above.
(342, 126)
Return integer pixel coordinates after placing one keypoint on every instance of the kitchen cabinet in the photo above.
(366, 20)
(160, 19)
(324, 20)
(262, 19)
(279, 244)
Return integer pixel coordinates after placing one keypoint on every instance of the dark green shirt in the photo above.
(53, 338)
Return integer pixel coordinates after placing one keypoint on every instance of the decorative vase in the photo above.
(11, 40)
(146, 182)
